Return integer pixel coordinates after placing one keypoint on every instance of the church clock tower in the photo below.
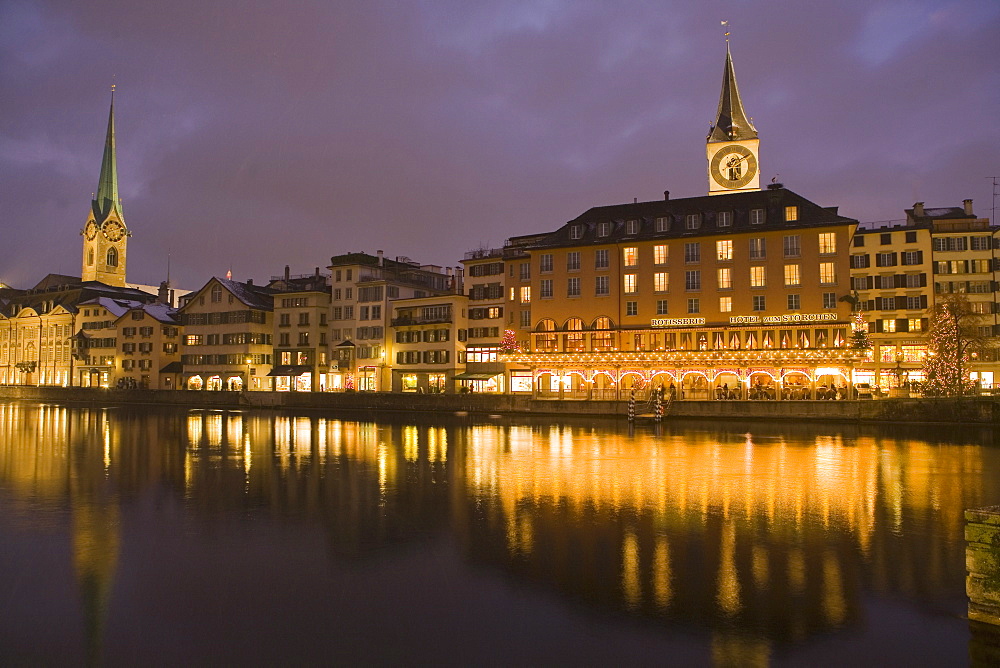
(105, 236)
(732, 142)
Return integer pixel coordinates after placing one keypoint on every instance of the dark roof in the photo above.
(173, 367)
(68, 295)
(731, 121)
(773, 201)
(369, 260)
(942, 213)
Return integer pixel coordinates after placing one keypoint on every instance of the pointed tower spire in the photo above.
(731, 121)
(107, 189)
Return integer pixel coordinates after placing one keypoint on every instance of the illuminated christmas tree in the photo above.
(509, 342)
(952, 339)
(859, 338)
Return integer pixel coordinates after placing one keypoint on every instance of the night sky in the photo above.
(253, 135)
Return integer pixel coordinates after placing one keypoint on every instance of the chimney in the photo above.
(317, 271)
(918, 209)
(249, 281)
(381, 258)
(287, 272)
(967, 203)
(666, 195)
(635, 200)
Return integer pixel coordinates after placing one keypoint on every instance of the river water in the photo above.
(184, 537)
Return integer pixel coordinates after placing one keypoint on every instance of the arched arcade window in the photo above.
(112, 257)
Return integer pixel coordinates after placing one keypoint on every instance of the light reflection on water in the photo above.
(763, 540)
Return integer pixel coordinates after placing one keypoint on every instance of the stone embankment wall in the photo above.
(970, 410)
(982, 584)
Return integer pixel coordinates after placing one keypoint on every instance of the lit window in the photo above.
(792, 275)
(758, 277)
(827, 243)
(526, 294)
(724, 250)
(660, 281)
(725, 278)
(889, 325)
(630, 256)
(660, 254)
(725, 219)
(916, 325)
(791, 213)
(827, 273)
(725, 304)
(629, 284)
(759, 303)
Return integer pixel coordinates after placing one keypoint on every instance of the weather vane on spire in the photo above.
(726, 25)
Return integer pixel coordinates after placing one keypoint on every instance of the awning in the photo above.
(173, 367)
(290, 370)
(468, 375)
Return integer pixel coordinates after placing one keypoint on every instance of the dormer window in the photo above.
(692, 221)
(631, 227)
(603, 229)
(756, 216)
(724, 219)
(663, 224)
(791, 213)
(576, 232)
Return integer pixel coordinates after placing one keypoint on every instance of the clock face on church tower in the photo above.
(90, 231)
(733, 166)
(113, 230)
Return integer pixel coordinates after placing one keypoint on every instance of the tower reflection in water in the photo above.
(759, 538)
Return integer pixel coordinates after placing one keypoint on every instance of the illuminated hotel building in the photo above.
(743, 292)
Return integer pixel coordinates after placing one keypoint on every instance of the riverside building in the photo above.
(743, 293)
(900, 269)
(301, 352)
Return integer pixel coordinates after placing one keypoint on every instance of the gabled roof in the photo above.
(117, 307)
(731, 121)
(255, 296)
(772, 201)
(158, 311)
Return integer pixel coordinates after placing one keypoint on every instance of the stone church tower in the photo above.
(105, 235)
(732, 144)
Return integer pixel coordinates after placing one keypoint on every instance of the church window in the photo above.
(90, 258)
(112, 257)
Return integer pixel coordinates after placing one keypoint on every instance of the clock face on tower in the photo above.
(733, 166)
(113, 230)
(90, 231)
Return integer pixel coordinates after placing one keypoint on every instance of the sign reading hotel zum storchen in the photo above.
(748, 319)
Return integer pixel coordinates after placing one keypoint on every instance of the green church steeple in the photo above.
(107, 189)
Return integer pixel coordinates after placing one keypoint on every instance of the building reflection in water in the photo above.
(759, 538)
